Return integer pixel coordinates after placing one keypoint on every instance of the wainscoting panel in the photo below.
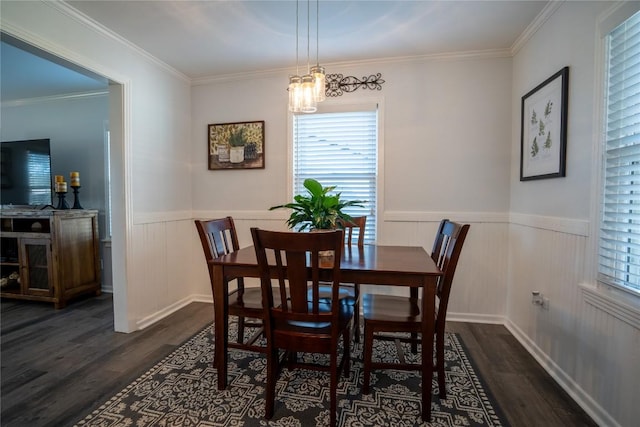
(593, 355)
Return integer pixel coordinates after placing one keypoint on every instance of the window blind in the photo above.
(619, 255)
(339, 149)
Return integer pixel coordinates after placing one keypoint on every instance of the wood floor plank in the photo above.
(58, 365)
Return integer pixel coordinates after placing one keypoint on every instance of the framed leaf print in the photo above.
(543, 142)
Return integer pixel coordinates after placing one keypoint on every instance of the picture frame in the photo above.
(238, 145)
(543, 140)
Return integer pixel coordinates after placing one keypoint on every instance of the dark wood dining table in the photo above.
(369, 265)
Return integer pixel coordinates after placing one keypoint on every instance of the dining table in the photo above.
(409, 266)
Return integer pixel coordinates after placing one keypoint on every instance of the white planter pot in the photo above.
(236, 155)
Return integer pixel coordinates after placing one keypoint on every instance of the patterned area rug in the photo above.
(180, 391)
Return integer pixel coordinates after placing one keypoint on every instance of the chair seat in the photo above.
(346, 294)
(346, 313)
(251, 299)
(391, 308)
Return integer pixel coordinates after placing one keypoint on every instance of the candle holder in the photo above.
(76, 197)
(62, 203)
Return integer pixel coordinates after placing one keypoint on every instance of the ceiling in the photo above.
(204, 39)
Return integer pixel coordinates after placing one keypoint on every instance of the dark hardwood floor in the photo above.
(58, 365)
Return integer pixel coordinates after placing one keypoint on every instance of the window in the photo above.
(619, 254)
(339, 148)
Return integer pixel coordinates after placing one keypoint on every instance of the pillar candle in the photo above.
(61, 187)
(75, 179)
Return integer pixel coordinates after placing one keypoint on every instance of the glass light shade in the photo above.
(295, 94)
(308, 100)
(319, 81)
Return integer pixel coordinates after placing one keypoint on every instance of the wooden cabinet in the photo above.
(49, 255)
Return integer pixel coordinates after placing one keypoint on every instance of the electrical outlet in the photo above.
(545, 303)
(536, 298)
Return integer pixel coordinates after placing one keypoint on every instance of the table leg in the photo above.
(428, 330)
(221, 327)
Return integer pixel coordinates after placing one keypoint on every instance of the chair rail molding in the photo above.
(575, 226)
(613, 304)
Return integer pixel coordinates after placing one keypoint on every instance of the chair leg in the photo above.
(356, 314)
(333, 387)
(240, 329)
(414, 342)
(346, 353)
(272, 377)
(368, 354)
(440, 364)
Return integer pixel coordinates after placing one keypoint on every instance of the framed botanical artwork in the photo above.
(543, 141)
(237, 145)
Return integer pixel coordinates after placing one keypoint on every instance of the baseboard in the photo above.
(591, 407)
(476, 318)
(159, 315)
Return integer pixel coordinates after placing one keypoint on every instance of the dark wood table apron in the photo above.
(368, 265)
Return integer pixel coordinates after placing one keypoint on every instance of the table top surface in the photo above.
(374, 258)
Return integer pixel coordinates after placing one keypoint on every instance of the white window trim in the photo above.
(619, 301)
(336, 105)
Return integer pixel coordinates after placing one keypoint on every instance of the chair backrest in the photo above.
(300, 270)
(357, 222)
(218, 237)
(446, 252)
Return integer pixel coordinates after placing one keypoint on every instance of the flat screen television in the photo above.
(25, 172)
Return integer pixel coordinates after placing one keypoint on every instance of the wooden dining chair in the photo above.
(302, 321)
(350, 292)
(219, 237)
(358, 223)
(386, 315)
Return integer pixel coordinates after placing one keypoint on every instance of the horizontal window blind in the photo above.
(339, 149)
(619, 255)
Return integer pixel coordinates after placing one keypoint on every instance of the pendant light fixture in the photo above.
(307, 90)
(319, 80)
(295, 82)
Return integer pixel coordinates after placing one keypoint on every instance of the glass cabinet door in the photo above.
(37, 260)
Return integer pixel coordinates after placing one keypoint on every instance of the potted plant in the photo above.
(318, 210)
(236, 142)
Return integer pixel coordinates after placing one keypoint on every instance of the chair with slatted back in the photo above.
(219, 237)
(303, 321)
(386, 315)
(350, 292)
(358, 223)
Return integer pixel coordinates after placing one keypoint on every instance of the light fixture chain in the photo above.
(308, 36)
(297, 48)
(317, 32)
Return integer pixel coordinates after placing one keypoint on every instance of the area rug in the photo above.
(181, 391)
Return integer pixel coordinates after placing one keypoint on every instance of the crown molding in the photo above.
(279, 72)
(80, 17)
(535, 25)
(54, 98)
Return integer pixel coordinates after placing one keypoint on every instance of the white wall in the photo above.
(446, 124)
(445, 130)
(151, 168)
(586, 340)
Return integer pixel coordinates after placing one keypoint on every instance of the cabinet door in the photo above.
(36, 264)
